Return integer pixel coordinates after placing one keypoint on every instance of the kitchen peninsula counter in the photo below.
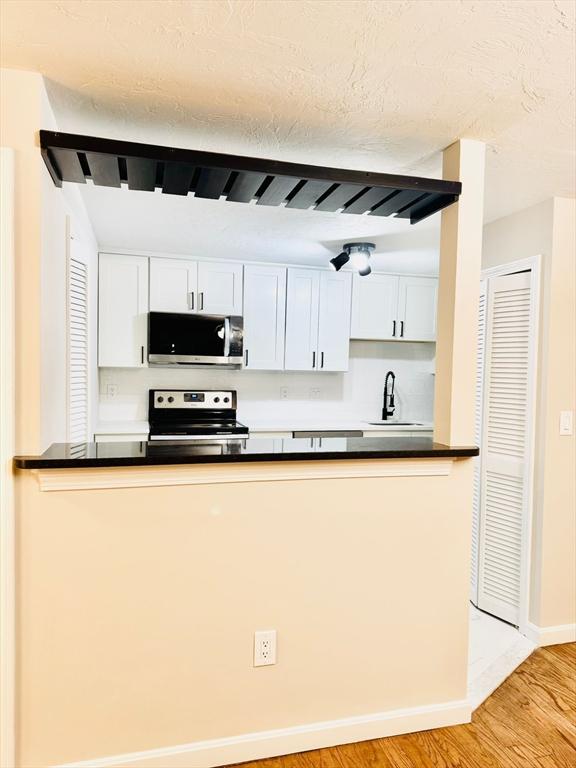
(141, 454)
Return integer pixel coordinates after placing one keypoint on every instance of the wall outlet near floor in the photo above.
(264, 647)
(284, 393)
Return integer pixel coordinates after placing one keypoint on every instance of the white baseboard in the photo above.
(256, 746)
(542, 636)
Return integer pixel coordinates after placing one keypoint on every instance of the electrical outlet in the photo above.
(314, 393)
(284, 393)
(112, 390)
(566, 422)
(264, 647)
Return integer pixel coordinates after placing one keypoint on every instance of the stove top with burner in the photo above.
(178, 414)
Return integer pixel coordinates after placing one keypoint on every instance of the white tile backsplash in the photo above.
(355, 394)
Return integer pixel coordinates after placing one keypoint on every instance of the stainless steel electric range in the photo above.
(186, 415)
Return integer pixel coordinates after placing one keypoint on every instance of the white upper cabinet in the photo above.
(264, 316)
(334, 321)
(302, 305)
(417, 303)
(181, 285)
(317, 320)
(374, 306)
(394, 308)
(173, 285)
(220, 287)
(122, 311)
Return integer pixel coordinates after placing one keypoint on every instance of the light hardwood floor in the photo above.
(529, 722)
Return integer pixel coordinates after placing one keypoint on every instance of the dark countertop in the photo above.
(139, 454)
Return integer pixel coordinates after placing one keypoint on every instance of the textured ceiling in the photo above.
(377, 85)
(149, 221)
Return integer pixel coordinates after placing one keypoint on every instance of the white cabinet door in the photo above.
(375, 307)
(334, 321)
(173, 285)
(263, 445)
(299, 445)
(122, 311)
(417, 301)
(302, 294)
(220, 288)
(264, 316)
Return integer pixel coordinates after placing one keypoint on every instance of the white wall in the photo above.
(62, 215)
(555, 579)
(523, 234)
(354, 394)
(53, 313)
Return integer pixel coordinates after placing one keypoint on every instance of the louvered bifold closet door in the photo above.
(477, 440)
(505, 429)
(77, 351)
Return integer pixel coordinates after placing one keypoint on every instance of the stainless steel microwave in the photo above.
(188, 340)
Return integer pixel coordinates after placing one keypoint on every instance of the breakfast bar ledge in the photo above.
(67, 466)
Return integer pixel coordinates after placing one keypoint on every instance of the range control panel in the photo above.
(212, 399)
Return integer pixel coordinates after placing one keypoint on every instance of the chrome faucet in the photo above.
(388, 406)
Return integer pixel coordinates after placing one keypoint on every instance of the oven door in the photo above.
(180, 340)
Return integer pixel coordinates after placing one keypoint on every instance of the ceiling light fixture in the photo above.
(339, 261)
(358, 253)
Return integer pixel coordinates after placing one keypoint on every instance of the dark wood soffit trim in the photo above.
(131, 149)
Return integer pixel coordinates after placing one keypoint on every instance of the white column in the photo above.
(460, 259)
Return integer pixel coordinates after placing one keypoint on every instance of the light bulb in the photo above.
(360, 260)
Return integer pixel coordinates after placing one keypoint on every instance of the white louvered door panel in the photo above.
(478, 439)
(506, 426)
(77, 351)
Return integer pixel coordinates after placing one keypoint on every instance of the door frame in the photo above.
(534, 265)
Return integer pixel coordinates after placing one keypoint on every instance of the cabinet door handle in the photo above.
(201, 299)
(313, 359)
(246, 357)
(191, 300)
(142, 355)
(322, 360)
(393, 327)
(401, 328)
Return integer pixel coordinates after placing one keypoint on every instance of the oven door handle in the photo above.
(226, 337)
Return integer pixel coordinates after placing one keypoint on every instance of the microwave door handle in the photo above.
(226, 337)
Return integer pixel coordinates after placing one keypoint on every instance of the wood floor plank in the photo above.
(521, 727)
(368, 754)
(421, 749)
(467, 741)
(566, 668)
(547, 677)
(391, 751)
(565, 653)
(528, 722)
